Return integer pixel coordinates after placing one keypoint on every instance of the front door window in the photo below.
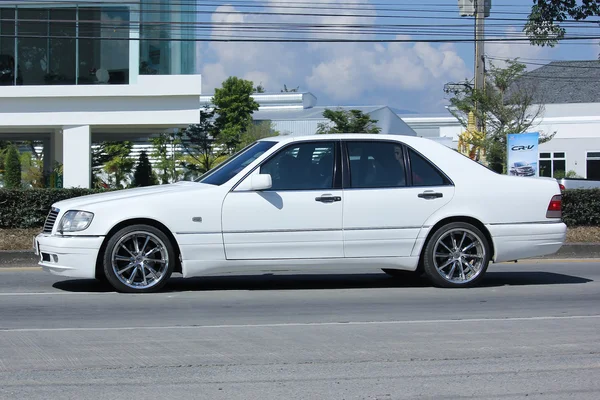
(303, 166)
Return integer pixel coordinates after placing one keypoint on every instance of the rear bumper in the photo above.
(521, 241)
(68, 256)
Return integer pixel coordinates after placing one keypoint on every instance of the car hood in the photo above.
(86, 201)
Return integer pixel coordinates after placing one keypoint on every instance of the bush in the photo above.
(28, 208)
(581, 207)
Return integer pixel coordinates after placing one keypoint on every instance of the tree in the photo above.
(166, 163)
(143, 174)
(234, 106)
(286, 90)
(198, 142)
(3, 151)
(507, 104)
(12, 165)
(259, 89)
(256, 131)
(113, 158)
(353, 121)
(544, 22)
(32, 165)
(32, 170)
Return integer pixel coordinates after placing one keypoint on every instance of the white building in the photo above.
(81, 70)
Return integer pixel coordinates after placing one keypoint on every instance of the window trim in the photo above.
(587, 158)
(552, 159)
(337, 169)
(407, 166)
(587, 155)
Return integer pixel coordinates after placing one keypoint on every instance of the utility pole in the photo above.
(479, 54)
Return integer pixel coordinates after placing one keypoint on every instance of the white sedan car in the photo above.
(346, 201)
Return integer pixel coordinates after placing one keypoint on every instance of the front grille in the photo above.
(50, 220)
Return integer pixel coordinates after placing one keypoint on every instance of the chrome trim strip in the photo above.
(300, 230)
(76, 236)
(526, 223)
(287, 230)
(380, 228)
(197, 233)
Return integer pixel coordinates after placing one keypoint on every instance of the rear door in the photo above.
(389, 192)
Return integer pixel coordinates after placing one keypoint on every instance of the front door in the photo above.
(384, 206)
(300, 217)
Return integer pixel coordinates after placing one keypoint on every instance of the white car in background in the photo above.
(345, 201)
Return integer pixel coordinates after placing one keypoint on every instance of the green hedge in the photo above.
(28, 208)
(581, 207)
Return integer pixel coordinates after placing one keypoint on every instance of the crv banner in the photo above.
(522, 154)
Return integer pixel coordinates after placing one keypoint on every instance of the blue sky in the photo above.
(408, 76)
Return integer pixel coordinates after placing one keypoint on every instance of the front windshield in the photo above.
(228, 169)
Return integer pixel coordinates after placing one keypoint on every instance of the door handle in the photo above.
(430, 195)
(327, 198)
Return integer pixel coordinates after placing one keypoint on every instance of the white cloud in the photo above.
(353, 69)
(499, 51)
(342, 72)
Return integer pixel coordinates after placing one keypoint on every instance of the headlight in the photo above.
(74, 221)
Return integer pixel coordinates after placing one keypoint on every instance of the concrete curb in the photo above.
(571, 250)
(576, 250)
(18, 257)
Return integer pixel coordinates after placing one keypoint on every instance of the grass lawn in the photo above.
(22, 239)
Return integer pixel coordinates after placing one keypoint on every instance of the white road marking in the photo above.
(303, 324)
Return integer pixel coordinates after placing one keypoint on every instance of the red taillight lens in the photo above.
(555, 207)
(562, 187)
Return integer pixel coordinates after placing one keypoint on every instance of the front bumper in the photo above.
(69, 256)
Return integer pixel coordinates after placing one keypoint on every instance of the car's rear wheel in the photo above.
(138, 259)
(456, 255)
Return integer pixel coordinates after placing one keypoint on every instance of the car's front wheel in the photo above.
(456, 255)
(138, 259)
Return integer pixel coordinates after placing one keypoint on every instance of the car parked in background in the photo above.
(343, 201)
(578, 183)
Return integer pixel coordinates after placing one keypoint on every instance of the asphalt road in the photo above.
(532, 330)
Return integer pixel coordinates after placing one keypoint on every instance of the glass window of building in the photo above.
(62, 47)
(103, 45)
(88, 43)
(160, 21)
(33, 45)
(7, 46)
(552, 165)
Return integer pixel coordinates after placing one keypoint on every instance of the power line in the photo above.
(554, 65)
(283, 39)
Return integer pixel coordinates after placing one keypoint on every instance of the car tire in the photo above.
(456, 255)
(138, 259)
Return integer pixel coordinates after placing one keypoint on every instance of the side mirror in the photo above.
(260, 182)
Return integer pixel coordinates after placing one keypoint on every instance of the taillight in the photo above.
(562, 187)
(555, 207)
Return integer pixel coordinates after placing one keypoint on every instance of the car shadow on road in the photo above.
(324, 282)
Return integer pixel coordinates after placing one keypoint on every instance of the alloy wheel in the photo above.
(140, 260)
(459, 256)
